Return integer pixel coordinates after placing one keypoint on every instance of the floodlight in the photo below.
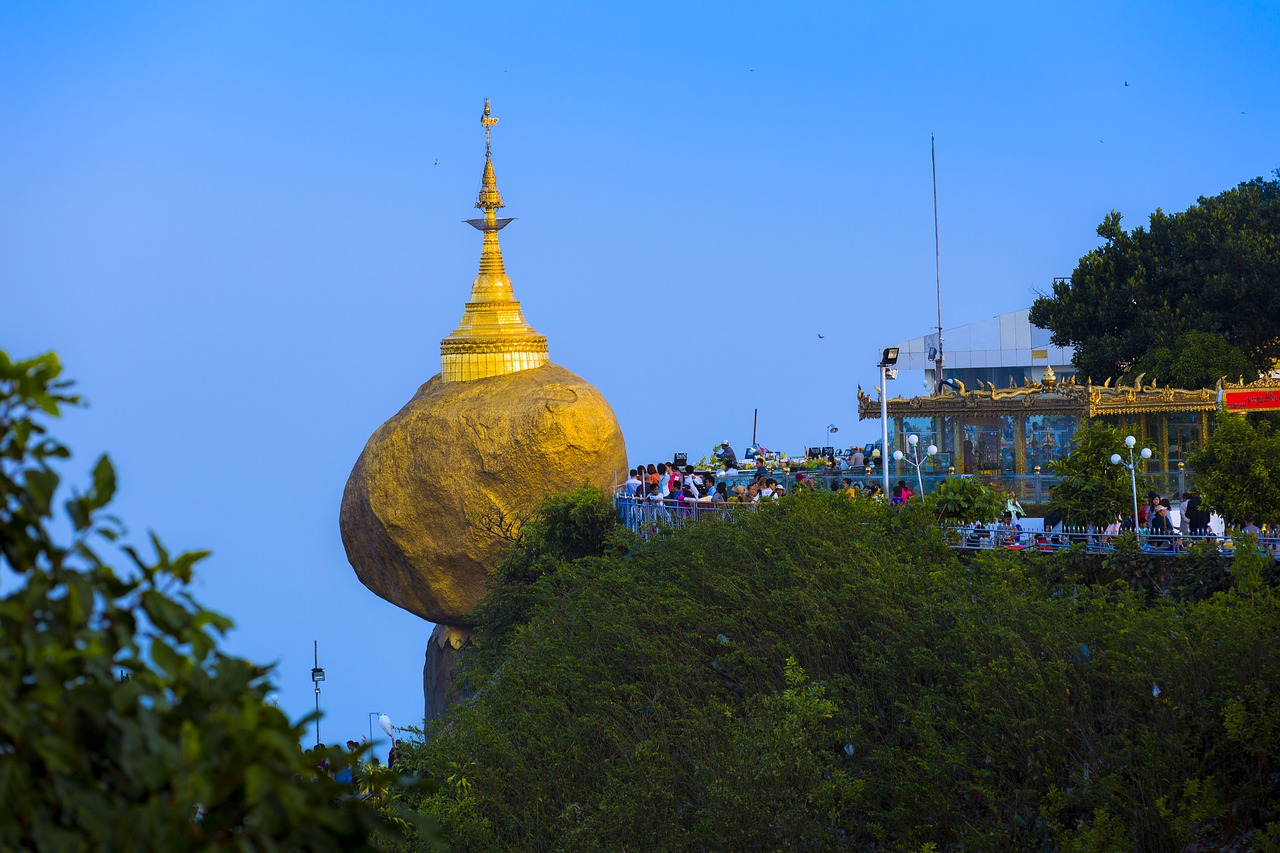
(889, 357)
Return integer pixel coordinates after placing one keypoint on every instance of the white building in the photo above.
(1003, 350)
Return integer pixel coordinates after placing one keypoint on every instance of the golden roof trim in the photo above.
(1050, 396)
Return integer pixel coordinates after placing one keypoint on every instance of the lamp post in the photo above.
(887, 371)
(372, 714)
(915, 461)
(1117, 459)
(317, 676)
(831, 428)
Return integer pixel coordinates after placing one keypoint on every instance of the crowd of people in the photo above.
(666, 490)
(667, 484)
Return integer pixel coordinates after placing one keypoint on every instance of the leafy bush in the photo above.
(122, 726)
(964, 500)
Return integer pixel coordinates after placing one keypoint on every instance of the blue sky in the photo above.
(228, 220)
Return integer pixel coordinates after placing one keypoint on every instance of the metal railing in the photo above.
(987, 537)
(649, 518)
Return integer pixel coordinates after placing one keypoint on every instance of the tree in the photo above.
(1238, 471)
(122, 726)
(1092, 490)
(1193, 360)
(1213, 268)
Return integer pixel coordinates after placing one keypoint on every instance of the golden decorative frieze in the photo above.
(1261, 382)
(1050, 396)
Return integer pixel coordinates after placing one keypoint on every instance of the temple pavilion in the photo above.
(1017, 429)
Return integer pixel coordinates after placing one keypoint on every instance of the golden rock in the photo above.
(475, 450)
(420, 506)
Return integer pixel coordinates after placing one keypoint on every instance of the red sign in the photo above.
(1251, 400)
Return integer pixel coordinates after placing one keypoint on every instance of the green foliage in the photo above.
(1092, 489)
(564, 529)
(1194, 359)
(963, 500)
(1213, 268)
(122, 726)
(1238, 470)
(825, 674)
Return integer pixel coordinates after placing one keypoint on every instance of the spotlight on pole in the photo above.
(317, 676)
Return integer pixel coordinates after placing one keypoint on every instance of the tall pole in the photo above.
(884, 427)
(937, 265)
(755, 418)
(316, 649)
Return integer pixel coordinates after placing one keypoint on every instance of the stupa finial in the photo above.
(490, 199)
(493, 337)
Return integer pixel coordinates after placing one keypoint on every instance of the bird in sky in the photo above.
(1126, 82)
(821, 336)
(437, 162)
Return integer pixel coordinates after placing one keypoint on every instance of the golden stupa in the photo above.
(493, 338)
(475, 450)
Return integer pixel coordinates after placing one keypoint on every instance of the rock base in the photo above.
(446, 650)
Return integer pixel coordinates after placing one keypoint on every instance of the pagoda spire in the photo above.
(493, 337)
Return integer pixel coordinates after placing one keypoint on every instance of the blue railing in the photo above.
(986, 537)
(651, 518)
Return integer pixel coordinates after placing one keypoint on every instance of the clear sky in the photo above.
(229, 221)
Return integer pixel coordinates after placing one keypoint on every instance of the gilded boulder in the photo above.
(422, 505)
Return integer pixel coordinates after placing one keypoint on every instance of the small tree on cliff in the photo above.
(1238, 471)
(122, 726)
(1092, 491)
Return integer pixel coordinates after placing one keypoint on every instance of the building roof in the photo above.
(1007, 340)
(1049, 396)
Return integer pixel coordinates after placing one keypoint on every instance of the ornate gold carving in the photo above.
(1053, 397)
(1260, 382)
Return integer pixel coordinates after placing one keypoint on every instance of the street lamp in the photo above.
(317, 676)
(372, 714)
(1116, 459)
(915, 461)
(887, 371)
(831, 428)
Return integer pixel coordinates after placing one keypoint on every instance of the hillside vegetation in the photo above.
(825, 674)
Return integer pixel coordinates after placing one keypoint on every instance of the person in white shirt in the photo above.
(769, 492)
(857, 459)
(633, 483)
